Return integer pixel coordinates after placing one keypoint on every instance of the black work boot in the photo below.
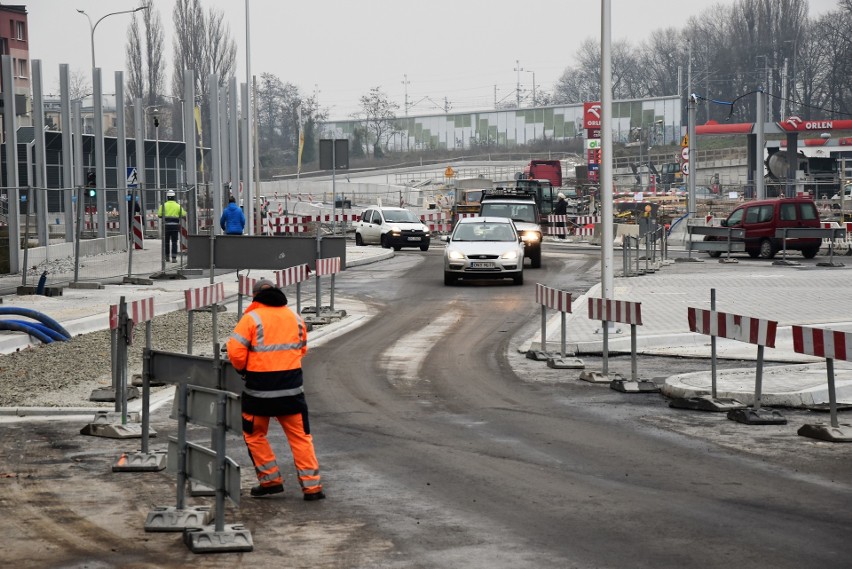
(315, 496)
(259, 491)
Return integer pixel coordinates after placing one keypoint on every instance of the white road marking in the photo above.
(403, 359)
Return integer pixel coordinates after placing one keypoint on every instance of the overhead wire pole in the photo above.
(606, 150)
(248, 166)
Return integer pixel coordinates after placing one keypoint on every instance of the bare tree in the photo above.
(379, 117)
(145, 58)
(202, 45)
(78, 84)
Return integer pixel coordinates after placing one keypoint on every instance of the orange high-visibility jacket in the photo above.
(267, 345)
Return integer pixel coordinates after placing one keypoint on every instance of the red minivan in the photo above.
(761, 218)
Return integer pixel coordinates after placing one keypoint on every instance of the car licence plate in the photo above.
(480, 265)
(414, 239)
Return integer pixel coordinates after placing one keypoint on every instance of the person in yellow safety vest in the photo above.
(171, 212)
(266, 348)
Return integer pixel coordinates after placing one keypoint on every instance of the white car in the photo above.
(391, 227)
(484, 248)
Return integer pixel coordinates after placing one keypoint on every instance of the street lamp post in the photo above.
(94, 26)
(533, 92)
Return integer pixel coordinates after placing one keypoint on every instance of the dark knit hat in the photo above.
(262, 283)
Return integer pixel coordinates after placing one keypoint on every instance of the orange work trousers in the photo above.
(255, 428)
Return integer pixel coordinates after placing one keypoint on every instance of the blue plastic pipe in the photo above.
(35, 315)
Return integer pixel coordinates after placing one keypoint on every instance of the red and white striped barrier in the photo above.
(205, 296)
(829, 344)
(183, 237)
(733, 326)
(608, 310)
(138, 233)
(757, 331)
(138, 310)
(246, 285)
(327, 266)
(553, 298)
(292, 275)
(560, 300)
(571, 224)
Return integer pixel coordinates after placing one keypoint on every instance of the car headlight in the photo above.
(395, 231)
(427, 233)
(530, 237)
(510, 255)
(455, 255)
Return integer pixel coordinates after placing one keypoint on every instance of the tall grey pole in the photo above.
(224, 136)
(233, 135)
(67, 151)
(691, 114)
(248, 202)
(759, 187)
(139, 131)
(190, 150)
(121, 160)
(79, 180)
(215, 151)
(42, 223)
(100, 162)
(606, 150)
(248, 163)
(11, 125)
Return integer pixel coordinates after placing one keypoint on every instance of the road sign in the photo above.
(684, 153)
(684, 168)
(685, 140)
(449, 172)
(132, 177)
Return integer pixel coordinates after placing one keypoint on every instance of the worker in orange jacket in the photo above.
(266, 347)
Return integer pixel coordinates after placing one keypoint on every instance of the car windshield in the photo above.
(484, 232)
(516, 212)
(400, 216)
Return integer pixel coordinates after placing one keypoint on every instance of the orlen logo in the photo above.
(592, 115)
(794, 122)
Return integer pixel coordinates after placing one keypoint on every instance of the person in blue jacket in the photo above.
(233, 220)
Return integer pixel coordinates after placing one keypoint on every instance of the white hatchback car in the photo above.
(391, 227)
(484, 248)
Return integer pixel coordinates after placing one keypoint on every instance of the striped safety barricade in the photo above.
(624, 312)
(831, 345)
(325, 267)
(202, 297)
(439, 222)
(758, 331)
(559, 300)
(138, 232)
(294, 276)
(183, 235)
(122, 319)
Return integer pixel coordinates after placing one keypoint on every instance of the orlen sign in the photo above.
(592, 116)
(795, 123)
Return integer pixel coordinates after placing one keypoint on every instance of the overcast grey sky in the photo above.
(457, 49)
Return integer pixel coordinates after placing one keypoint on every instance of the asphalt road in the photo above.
(441, 447)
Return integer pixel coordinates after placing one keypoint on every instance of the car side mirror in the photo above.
(445, 238)
(724, 223)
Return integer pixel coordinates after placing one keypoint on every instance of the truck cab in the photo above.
(520, 206)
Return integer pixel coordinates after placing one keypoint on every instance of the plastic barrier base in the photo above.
(706, 403)
(140, 462)
(557, 362)
(786, 263)
(172, 519)
(750, 416)
(538, 355)
(312, 320)
(235, 537)
(114, 431)
(599, 377)
(197, 488)
(839, 434)
(107, 394)
(634, 386)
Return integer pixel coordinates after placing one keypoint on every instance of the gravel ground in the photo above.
(64, 374)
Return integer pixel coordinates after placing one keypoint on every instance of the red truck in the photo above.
(544, 170)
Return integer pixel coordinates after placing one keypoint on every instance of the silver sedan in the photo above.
(484, 248)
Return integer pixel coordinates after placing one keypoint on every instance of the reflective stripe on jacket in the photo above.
(268, 344)
(171, 212)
